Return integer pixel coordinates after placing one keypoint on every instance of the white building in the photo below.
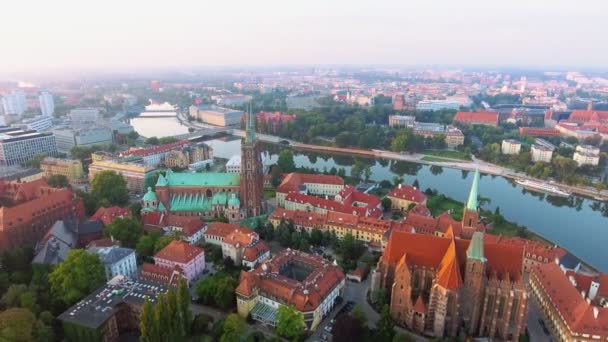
(217, 116)
(84, 115)
(587, 155)
(18, 146)
(47, 104)
(234, 163)
(401, 121)
(116, 260)
(39, 123)
(541, 153)
(510, 146)
(432, 105)
(14, 103)
(67, 137)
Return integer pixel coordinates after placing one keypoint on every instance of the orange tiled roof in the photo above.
(107, 215)
(24, 212)
(224, 229)
(419, 306)
(253, 251)
(292, 181)
(179, 251)
(587, 115)
(407, 192)
(580, 316)
(324, 203)
(448, 275)
(477, 117)
(430, 225)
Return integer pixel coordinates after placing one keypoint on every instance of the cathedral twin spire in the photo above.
(249, 126)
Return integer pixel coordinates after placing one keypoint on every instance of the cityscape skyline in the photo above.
(70, 36)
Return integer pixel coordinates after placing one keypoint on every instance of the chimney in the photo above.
(596, 312)
(593, 288)
(399, 186)
(590, 106)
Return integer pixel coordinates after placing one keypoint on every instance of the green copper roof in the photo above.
(161, 206)
(147, 209)
(150, 195)
(475, 250)
(250, 124)
(217, 179)
(219, 198)
(472, 202)
(189, 202)
(233, 201)
(161, 181)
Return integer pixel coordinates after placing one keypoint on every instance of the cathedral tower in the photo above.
(474, 281)
(252, 177)
(470, 214)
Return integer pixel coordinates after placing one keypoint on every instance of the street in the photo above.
(535, 330)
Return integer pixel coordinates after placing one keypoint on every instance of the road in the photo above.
(535, 331)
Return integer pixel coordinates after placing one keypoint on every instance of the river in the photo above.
(579, 225)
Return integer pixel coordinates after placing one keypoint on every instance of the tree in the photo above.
(386, 203)
(233, 328)
(183, 305)
(416, 184)
(80, 274)
(275, 174)
(403, 338)
(12, 296)
(348, 329)
(35, 161)
(145, 244)
(152, 141)
(380, 297)
(126, 230)
(147, 324)
(16, 325)
(58, 181)
(385, 327)
(285, 161)
(290, 323)
(110, 188)
(359, 315)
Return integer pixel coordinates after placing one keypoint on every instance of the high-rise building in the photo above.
(18, 146)
(84, 115)
(47, 105)
(252, 177)
(14, 103)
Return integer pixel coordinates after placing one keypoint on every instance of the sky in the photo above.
(133, 34)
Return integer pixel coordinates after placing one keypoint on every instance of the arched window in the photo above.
(209, 193)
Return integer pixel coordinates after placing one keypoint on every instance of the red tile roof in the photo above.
(224, 229)
(142, 152)
(419, 306)
(477, 117)
(254, 250)
(162, 275)
(156, 220)
(539, 132)
(179, 251)
(326, 204)
(588, 115)
(580, 316)
(431, 225)
(407, 192)
(107, 215)
(448, 275)
(292, 181)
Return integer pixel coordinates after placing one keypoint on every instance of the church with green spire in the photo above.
(470, 214)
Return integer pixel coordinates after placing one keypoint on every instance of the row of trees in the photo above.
(217, 290)
(169, 319)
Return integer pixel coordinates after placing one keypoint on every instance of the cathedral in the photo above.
(212, 195)
(446, 286)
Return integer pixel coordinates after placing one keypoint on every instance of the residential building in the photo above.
(217, 116)
(116, 260)
(108, 215)
(53, 248)
(315, 184)
(398, 103)
(302, 202)
(477, 118)
(31, 208)
(84, 115)
(401, 121)
(70, 168)
(454, 137)
(38, 123)
(189, 154)
(372, 231)
(587, 155)
(136, 175)
(272, 122)
(188, 258)
(111, 311)
(404, 196)
(433, 105)
(238, 243)
(13, 173)
(154, 155)
(571, 304)
(445, 287)
(190, 229)
(510, 146)
(14, 103)
(539, 132)
(68, 138)
(308, 283)
(234, 163)
(351, 197)
(47, 104)
(161, 275)
(19, 146)
(541, 153)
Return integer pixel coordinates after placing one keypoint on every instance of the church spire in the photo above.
(249, 127)
(472, 202)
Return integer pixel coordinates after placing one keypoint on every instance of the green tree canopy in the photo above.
(233, 328)
(77, 276)
(109, 188)
(58, 181)
(16, 325)
(290, 323)
(385, 327)
(126, 230)
(286, 162)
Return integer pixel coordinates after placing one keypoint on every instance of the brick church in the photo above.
(445, 286)
(211, 195)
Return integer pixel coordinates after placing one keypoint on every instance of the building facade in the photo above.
(404, 196)
(401, 121)
(136, 175)
(116, 260)
(477, 118)
(510, 146)
(217, 116)
(68, 138)
(188, 258)
(433, 105)
(19, 146)
(541, 153)
(252, 172)
(308, 283)
(38, 123)
(70, 168)
(47, 104)
(14, 103)
(586, 155)
(314, 184)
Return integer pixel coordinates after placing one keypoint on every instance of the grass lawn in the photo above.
(434, 159)
(270, 193)
(447, 154)
(440, 203)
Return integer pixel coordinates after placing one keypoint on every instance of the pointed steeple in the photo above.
(475, 250)
(250, 127)
(472, 202)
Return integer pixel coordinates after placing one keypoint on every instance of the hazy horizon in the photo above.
(137, 35)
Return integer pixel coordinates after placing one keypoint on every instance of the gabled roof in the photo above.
(419, 305)
(407, 192)
(107, 215)
(179, 251)
(448, 275)
(209, 179)
(292, 181)
(477, 117)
